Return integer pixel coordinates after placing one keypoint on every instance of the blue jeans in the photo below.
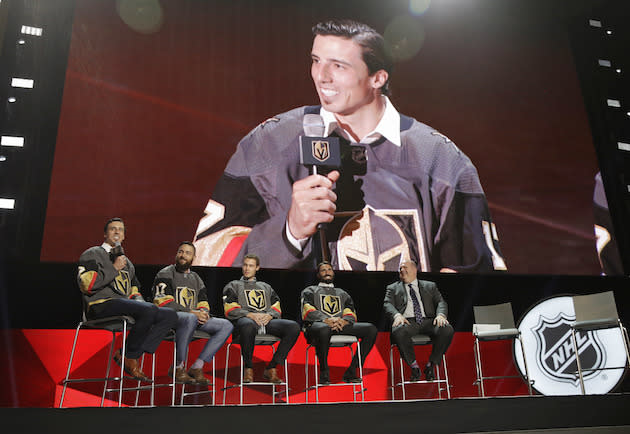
(219, 328)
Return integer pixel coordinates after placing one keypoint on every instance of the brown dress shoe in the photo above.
(197, 375)
(181, 376)
(272, 376)
(131, 367)
(248, 375)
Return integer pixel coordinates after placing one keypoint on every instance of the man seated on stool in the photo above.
(107, 279)
(254, 307)
(327, 310)
(179, 288)
(417, 307)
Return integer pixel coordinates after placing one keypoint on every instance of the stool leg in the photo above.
(306, 373)
(286, 380)
(391, 368)
(448, 384)
(214, 381)
(480, 389)
(65, 382)
(227, 361)
(360, 371)
(529, 382)
(577, 359)
(402, 377)
(241, 385)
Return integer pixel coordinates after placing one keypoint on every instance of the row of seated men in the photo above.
(107, 280)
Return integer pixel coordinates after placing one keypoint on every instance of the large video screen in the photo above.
(494, 170)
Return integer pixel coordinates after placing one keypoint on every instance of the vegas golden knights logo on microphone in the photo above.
(320, 150)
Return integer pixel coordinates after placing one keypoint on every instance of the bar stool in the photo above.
(113, 324)
(493, 323)
(261, 340)
(336, 341)
(442, 383)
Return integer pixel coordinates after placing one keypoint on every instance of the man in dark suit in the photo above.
(417, 307)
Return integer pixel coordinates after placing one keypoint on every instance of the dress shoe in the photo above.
(197, 375)
(131, 367)
(272, 376)
(248, 375)
(181, 376)
(350, 376)
(429, 372)
(415, 374)
(324, 377)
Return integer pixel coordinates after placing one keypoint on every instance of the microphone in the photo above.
(116, 251)
(320, 152)
(317, 151)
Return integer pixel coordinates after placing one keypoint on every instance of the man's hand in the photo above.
(337, 324)
(312, 202)
(399, 319)
(440, 321)
(260, 318)
(202, 316)
(120, 262)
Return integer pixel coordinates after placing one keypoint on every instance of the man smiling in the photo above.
(403, 191)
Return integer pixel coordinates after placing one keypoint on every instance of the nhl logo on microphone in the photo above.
(320, 150)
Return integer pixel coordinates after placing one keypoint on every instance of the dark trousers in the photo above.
(152, 323)
(318, 334)
(246, 330)
(441, 338)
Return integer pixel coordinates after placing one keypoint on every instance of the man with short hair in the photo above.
(404, 190)
(179, 288)
(416, 307)
(328, 310)
(107, 279)
(254, 307)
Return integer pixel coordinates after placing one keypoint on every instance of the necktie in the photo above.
(416, 305)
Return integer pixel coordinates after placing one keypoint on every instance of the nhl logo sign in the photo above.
(546, 333)
(320, 150)
(556, 353)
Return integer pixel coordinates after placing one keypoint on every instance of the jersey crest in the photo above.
(330, 304)
(185, 296)
(122, 283)
(378, 240)
(256, 299)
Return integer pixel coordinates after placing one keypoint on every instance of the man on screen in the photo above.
(107, 279)
(403, 189)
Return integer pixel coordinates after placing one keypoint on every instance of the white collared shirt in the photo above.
(388, 126)
(107, 247)
(329, 285)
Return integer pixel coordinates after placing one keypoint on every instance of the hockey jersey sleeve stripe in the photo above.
(163, 301)
(348, 312)
(276, 307)
(229, 307)
(203, 305)
(306, 309)
(231, 251)
(87, 281)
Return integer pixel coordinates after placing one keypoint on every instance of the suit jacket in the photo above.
(432, 301)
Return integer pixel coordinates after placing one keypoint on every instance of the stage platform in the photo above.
(605, 413)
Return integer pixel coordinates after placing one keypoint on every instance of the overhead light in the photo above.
(7, 203)
(21, 41)
(618, 70)
(594, 23)
(613, 103)
(15, 141)
(26, 83)
(35, 31)
(3, 158)
(603, 62)
(609, 32)
(623, 146)
(11, 99)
